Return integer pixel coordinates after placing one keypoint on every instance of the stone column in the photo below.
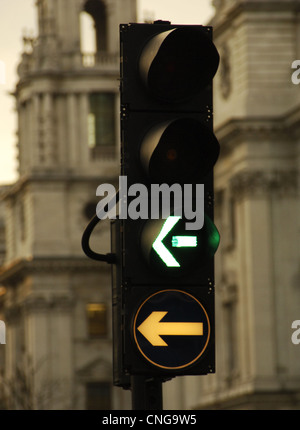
(72, 135)
(83, 132)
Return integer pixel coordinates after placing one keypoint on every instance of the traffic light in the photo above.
(163, 283)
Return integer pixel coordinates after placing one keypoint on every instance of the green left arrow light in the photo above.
(205, 243)
(160, 248)
(177, 242)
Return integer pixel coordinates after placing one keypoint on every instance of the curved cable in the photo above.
(85, 240)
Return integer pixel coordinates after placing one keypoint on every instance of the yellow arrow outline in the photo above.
(152, 328)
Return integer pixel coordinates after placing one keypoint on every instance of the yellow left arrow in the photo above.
(152, 328)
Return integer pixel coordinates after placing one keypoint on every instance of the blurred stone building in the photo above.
(257, 121)
(56, 302)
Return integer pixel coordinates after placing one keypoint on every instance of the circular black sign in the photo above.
(171, 329)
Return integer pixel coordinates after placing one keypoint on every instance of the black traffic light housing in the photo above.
(166, 138)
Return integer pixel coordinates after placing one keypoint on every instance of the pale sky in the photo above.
(19, 16)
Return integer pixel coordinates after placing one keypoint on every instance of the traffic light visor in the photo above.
(176, 64)
(180, 151)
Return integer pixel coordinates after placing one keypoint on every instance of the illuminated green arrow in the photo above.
(177, 242)
(152, 328)
(160, 248)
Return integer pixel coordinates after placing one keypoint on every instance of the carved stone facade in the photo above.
(257, 208)
(53, 358)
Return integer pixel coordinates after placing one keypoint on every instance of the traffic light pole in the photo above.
(146, 393)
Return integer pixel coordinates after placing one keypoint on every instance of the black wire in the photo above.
(85, 240)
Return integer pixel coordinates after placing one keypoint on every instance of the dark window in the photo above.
(101, 120)
(97, 11)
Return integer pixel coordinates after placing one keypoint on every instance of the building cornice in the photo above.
(16, 271)
(237, 130)
(224, 17)
(64, 177)
(39, 303)
(259, 183)
(32, 67)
